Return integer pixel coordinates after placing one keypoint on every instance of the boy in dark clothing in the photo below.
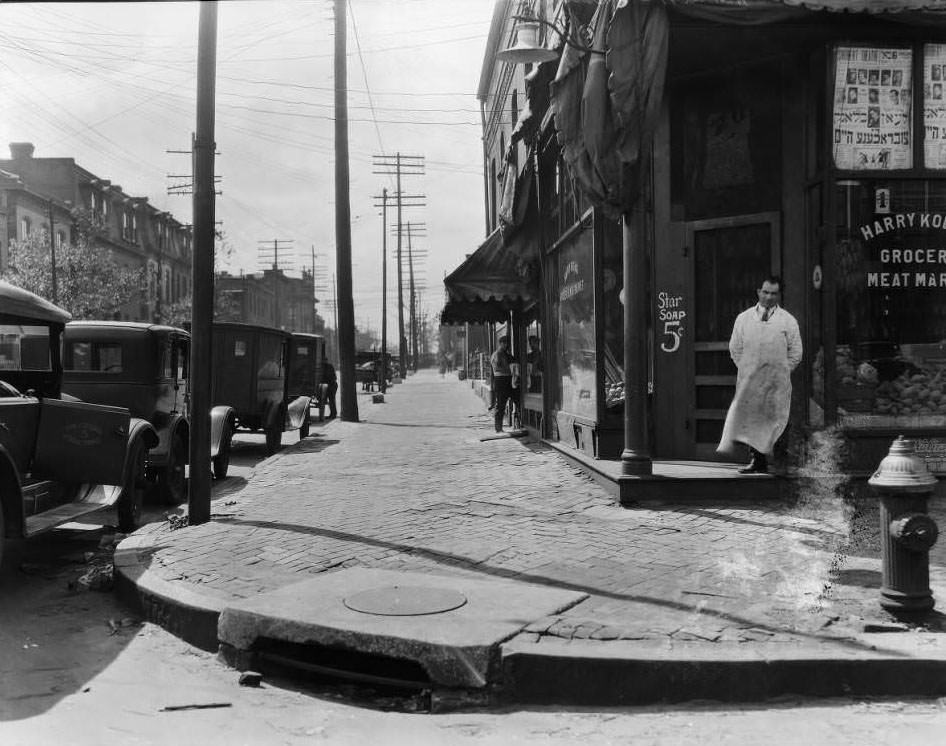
(329, 378)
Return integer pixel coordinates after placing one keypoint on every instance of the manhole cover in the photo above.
(405, 600)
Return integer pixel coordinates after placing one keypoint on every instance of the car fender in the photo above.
(297, 412)
(166, 426)
(222, 417)
(10, 495)
(139, 429)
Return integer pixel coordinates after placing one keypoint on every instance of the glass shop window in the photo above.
(613, 310)
(726, 144)
(574, 311)
(891, 304)
(874, 94)
(535, 366)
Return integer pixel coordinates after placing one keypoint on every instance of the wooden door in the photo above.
(731, 259)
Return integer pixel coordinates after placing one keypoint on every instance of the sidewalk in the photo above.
(696, 600)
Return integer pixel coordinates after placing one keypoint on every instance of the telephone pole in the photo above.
(383, 368)
(198, 508)
(397, 165)
(263, 252)
(413, 230)
(346, 306)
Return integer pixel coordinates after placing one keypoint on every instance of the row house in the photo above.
(57, 195)
(648, 162)
(269, 298)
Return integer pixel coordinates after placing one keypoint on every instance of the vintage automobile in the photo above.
(307, 353)
(60, 458)
(144, 367)
(250, 373)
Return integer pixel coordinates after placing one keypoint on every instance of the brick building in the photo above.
(269, 298)
(51, 194)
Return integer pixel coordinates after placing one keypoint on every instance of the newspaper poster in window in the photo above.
(934, 106)
(873, 109)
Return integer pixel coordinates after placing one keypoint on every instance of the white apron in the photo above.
(759, 411)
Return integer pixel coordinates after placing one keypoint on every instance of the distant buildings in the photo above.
(55, 194)
(268, 298)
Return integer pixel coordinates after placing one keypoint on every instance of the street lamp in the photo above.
(527, 50)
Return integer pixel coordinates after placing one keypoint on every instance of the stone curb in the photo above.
(174, 606)
(606, 673)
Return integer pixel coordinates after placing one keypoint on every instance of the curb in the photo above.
(582, 673)
(174, 606)
(608, 674)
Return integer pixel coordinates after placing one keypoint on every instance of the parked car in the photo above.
(60, 458)
(307, 353)
(144, 367)
(250, 374)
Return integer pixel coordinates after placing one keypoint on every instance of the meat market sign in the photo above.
(907, 267)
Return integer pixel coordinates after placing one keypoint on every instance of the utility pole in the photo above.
(413, 230)
(382, 368)
(198, 508)
(263, 250)
(346, 313)
(407, 165)
(52, 253)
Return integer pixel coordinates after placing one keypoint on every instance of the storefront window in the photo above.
(934, 106)
(873, 108)
(576, 326)
(612, 286)
(534, 364)
(891, 309)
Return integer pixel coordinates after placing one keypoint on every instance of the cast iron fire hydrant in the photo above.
(907, 532)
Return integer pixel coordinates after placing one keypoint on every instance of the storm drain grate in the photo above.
(339, 664)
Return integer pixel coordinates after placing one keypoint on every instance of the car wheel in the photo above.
(132, 498)
(173, 478)
(304, 430)
(221, 462)
(273, 439)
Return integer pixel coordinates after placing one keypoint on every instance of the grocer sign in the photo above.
(907, 267)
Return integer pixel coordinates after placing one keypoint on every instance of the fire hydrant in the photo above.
(907, 532)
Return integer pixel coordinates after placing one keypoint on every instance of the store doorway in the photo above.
(731, 258)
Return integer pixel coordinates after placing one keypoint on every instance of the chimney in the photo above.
(21, 150)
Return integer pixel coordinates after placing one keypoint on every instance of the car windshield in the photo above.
(24, 347)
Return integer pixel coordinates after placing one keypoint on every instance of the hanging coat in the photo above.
(765, 354)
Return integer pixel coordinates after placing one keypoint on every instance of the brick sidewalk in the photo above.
(412, 487)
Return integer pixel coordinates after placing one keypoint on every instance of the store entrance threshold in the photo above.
(677, 481)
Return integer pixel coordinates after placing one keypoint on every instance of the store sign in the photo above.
(907, 267)
(671, 314)
(873, 108)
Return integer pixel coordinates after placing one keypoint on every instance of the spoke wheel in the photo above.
(133, 490)
(221, 462)
(173, 479)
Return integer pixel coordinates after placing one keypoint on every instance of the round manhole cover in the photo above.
(405, 600)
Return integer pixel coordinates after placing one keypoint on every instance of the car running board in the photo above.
(96, 497)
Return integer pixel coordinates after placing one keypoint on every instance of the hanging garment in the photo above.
(765, 354)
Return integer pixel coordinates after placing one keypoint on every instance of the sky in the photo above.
(113, 85)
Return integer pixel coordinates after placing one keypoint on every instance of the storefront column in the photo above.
(636, 458)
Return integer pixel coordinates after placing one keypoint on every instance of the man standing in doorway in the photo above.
(501, 362)
(766, 347)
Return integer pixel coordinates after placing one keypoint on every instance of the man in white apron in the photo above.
(766, 347)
